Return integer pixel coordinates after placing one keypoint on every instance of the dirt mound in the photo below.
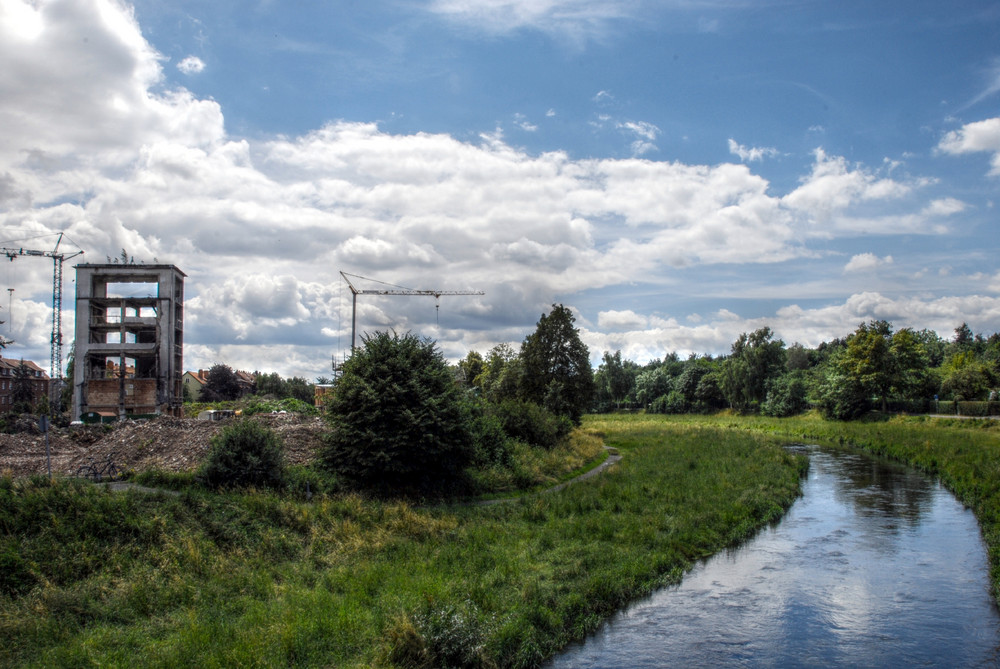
(165, 443)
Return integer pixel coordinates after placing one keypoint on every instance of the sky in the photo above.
(676, 172)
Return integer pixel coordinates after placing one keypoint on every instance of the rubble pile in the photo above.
(164, 443)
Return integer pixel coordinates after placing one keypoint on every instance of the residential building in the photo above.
(8, 372)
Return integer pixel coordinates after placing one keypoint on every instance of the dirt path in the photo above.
(612, 459)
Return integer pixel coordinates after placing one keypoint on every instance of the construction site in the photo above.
(129, 368)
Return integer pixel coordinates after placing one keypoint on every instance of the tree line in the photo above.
(874, 367)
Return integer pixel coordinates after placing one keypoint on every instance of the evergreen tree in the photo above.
(22, 396)
(397, 423)
(556, 366)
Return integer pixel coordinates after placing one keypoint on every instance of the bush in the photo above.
(491, 445)
(397, 422)
(842, 398)
(786, 396)
(532, 424)
(672, 402)
(257, 404)
(245, 454)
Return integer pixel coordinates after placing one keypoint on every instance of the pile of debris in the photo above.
(164, 443)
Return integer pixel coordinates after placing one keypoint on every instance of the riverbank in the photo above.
(92, 577)
(963, 453)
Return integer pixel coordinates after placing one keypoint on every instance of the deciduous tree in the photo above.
(756, 358)
(221, 384)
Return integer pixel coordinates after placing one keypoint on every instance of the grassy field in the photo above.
(91, 577)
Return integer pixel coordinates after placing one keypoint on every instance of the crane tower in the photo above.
(55, 373)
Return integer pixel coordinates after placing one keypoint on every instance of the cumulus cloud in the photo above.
(866, 262)
(91, 144)
(751, 154)
(714, 334)
(78, 85)
(834, 185)
(981, 136)
(621, 320)
(191, 65)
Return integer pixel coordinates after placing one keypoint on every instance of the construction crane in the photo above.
(55, 382)
(395, 290)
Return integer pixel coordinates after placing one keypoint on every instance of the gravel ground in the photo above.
(165, 443)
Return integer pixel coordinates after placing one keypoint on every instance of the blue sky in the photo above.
(677, 172)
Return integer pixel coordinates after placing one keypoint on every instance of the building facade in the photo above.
(129, 340)
(38, 380)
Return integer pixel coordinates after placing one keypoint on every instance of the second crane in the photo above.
(393, 290)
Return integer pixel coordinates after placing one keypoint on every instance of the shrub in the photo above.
(786, 396)
(842, 398)
(531, 423)
(257, 404)
(245, 453)
(672, 402)
(491, 445)
(397, 422)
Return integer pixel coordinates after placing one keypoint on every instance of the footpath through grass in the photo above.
(89, 577)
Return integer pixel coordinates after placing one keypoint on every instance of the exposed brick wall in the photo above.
(140, 395)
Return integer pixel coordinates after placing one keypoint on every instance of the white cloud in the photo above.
(641, 129)
(77, 84)
(948, 206)
(751, 154)
(92, 145)
(981, 136)
(521, 121)
(621, 320)
(834, 185)
(866, 262)
(578, 20)
(191, 65)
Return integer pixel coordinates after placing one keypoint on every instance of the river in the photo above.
(875, 566)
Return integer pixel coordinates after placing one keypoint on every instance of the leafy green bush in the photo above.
(842, 398)
(245, 454)
(397, 421)
(531, 423)
(491, 445)
(672, 402)
(256, 404)
(786, 396)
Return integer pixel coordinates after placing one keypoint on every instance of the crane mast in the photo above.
(55, 356)
(395, 290)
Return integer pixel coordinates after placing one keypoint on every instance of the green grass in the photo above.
(92, 577)
(964, 454)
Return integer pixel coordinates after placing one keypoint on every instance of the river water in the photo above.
(874, 566)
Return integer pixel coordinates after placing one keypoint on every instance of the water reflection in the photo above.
(880, 489)
(874, 566)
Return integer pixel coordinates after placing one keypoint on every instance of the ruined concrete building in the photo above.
(129, 340)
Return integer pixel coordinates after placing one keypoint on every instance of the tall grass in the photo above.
(261, 579)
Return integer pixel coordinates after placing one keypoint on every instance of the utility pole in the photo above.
(395, 290)
(55, 361)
